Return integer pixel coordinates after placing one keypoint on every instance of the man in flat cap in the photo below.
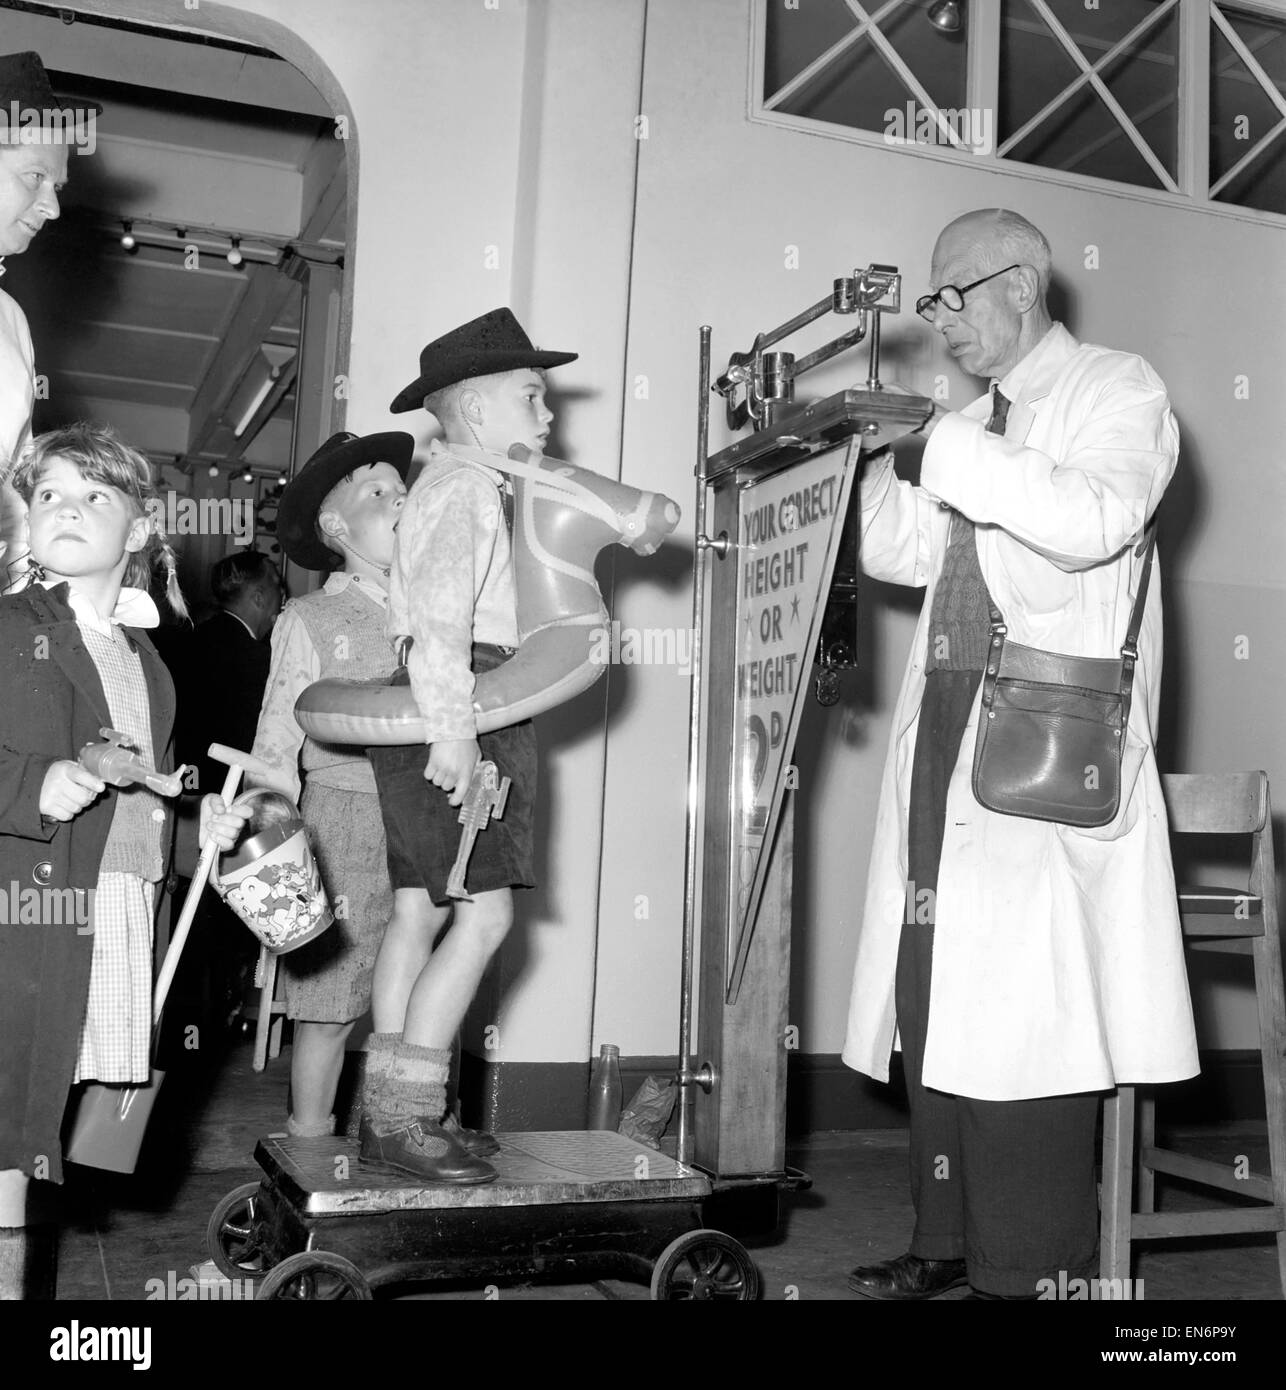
(34, 129)
(34, 125)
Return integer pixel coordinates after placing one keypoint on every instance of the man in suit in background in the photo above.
(223, 667)
(220, 671)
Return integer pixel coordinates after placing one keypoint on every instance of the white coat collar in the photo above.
(1033, 378)
(134, 608)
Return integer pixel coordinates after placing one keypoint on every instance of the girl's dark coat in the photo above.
(51, 704)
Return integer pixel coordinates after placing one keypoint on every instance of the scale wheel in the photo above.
(235, 1232)
(705, 1265)
(314, 1274)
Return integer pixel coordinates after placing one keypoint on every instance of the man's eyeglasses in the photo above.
(952, 296)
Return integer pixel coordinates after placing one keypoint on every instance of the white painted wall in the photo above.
(720, 201)
(512, 128)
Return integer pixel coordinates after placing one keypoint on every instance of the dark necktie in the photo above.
(1000, 403)
(507, 503)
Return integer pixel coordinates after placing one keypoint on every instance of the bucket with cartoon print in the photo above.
(271, 879)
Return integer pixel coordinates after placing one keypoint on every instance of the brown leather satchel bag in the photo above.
(1051, 729)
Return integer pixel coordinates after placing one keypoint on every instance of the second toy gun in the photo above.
(118, 763)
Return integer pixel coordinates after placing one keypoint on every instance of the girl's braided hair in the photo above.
(101, 455)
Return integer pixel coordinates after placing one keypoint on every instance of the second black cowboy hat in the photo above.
(493, 343)
(302, 499)
(25, 88)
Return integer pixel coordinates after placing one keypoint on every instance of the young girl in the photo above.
(79, 861)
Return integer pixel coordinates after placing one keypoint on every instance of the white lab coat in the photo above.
(1057, 955)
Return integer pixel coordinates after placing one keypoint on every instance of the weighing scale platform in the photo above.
(538, 1168)
(322, 1224)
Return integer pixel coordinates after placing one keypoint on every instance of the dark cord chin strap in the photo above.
(385, 570)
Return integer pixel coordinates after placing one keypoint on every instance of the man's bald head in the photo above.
(999, 237)
(1005, 317)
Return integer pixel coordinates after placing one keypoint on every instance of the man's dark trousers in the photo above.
(1007, 1185)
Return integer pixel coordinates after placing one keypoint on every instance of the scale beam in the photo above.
(774, 516)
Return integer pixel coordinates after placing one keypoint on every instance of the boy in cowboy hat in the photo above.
(339, 515)
(451, 605)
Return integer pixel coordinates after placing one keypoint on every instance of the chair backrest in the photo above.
(1216, 803)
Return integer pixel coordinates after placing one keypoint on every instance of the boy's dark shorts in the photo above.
(422, 827)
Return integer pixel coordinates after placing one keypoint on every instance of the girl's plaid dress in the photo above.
(115, 1042)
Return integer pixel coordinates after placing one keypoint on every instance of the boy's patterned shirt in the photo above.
(452, 585)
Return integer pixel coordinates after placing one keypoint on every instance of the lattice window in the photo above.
(1247, 108)
(850, 63)
(1106, 102)
(1181, 98)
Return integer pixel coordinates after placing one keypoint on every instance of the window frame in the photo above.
(1192, 163)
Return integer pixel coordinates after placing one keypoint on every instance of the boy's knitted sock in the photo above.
(377, 1059)
(311, 1129)
(367, 1068)
(380, 1048)
(415, 1086)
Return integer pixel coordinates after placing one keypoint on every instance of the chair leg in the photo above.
(1271, 995)
(1118, 1184)
(1147, 1132)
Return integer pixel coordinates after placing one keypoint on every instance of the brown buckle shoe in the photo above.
(477, 1141)
(425, 1150)
(908, 1277)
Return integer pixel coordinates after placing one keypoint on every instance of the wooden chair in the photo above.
(1240, 921)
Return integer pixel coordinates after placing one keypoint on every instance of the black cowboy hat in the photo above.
(493, 343)
(307, 490)
(24, 84)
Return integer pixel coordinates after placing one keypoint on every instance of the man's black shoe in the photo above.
(908, 1277)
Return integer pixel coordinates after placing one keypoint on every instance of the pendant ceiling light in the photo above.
(947, 15)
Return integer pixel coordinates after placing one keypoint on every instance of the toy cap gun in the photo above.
(118, 764)
(486, 797)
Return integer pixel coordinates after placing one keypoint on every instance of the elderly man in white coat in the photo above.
(1024, 965)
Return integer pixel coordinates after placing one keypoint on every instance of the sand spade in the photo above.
(111, 1120)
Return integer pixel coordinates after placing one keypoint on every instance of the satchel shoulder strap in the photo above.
(1129, 648)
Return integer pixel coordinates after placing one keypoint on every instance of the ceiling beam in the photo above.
(183, 187)
(324, 190)
(266, 295)
(163, 61)
(265, 412)
(323, 185)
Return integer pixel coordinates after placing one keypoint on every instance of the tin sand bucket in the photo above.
(271, 879)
